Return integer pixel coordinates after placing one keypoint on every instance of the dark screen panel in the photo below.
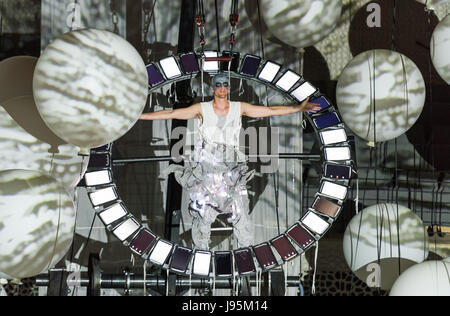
(99, 161)
(322, 102)
(189, 63)
(181, 259)
(327, 120)
(250, 65)
(284, 247)
(244, 261)
(265, 256)
(338, 172)
(142, 242)
(224, 263)
(154, 76)
(301, 236)
(235, 59)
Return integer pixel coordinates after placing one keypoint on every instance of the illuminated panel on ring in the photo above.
(301, 236)
(304, 91)
(112, 214)
(202, 263)
(288, 80)
(211, 66)
(326, 207)
(126, 229)
(170, 68)
(284, 247)
(98, 178)
(244, 261)
(142, 242)
(269, 72)
(161, 252)
(337, 154)
(333, 137)
(103, 196)
(339, 192)
(315, 223)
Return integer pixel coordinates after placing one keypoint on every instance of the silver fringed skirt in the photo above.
(216, 177)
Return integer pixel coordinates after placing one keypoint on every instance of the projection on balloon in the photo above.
(440, 47)
(21, 150)
(381, 95)
(431, 278)
(387, 233)
(90, 87)
(37, 218)
(301, 23)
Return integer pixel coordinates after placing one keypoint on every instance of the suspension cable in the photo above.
(114, 16)
(200, 19)
(234, 20)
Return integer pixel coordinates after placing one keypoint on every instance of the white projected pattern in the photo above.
(431, 278)
(381, 95)
(440, 47)
(301, 23)
(20, 150)
(90, 87)
(37, 221)
(374, 234)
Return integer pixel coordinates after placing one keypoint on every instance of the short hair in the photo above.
(219, 76)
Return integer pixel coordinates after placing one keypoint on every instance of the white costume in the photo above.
(216, 177)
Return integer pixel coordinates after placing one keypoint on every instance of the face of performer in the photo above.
(221, 87)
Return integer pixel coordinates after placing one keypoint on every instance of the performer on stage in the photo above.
(216, 174)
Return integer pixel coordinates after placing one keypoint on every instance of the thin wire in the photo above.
(74, 11)
(217, 27)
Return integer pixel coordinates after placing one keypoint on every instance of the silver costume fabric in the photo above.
(216, 178)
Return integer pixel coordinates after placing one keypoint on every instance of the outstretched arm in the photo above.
(179, 114)
(258, 111)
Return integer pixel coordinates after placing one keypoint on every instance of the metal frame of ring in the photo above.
(300, 237)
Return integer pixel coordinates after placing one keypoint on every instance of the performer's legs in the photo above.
(201, 227)
(243, 228)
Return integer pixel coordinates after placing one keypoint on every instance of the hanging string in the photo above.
(217, 26)
(74, 11)
(234, 20)
(167, 283)
(114, 16)
(316, 255)
(190, 285)
(145, 277)
(57, 232)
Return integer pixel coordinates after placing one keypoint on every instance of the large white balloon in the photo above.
(301, 23)
(387, 233)
(381, 95)
(90, 87)
(16, 77)
(21, 150)
(37, 218)
(440, 47)
(431, 278)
